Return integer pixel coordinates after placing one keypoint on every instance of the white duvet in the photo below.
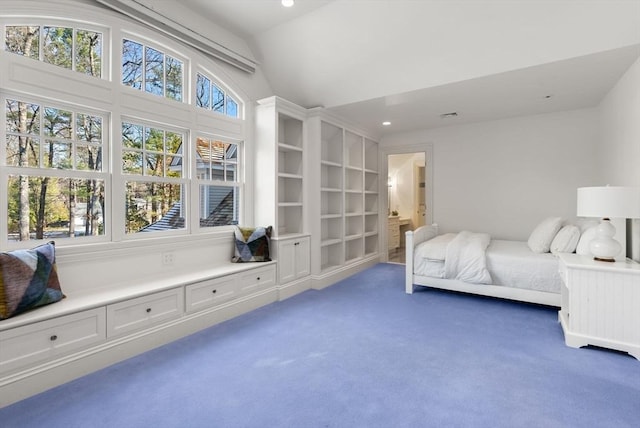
(463, 255)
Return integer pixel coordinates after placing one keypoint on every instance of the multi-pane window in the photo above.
(212, 97)
(154, 202)
(149, 69)
(72, 48)
(56, 188)
(58, 177)
(217, 173)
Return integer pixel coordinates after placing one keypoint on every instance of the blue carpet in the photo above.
(361, 353)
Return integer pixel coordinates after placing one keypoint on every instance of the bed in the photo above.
(512, 271)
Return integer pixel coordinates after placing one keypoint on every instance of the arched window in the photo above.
(102, 146)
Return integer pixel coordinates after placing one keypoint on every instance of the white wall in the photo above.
(620, 148)
(620, 113)
(503, 177)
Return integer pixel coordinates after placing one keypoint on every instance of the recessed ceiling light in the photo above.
(287, 3)
(386, 123)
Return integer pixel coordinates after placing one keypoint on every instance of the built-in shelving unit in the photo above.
(348, 196)
(316, 177)
(280, 147)
(331, 195)
(371, 180)
(281, 180)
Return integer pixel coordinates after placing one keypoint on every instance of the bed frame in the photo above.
(424, 233)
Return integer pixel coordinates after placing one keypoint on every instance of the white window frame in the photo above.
(121, 102)
(196, 182)
(42, 171)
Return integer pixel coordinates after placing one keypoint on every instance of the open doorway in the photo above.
(406, 200)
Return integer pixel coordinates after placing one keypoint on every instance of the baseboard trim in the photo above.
(292, 288)
(318, 282)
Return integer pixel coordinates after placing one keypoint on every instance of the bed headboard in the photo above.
(424, 233)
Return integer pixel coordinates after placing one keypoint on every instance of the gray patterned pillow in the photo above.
(252, 244)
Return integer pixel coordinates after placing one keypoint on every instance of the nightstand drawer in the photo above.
(40, 341)
(144, 311)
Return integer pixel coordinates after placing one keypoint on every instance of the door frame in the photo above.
(383, 210)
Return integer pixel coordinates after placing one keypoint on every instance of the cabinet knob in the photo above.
(258, 278)
(148, 310)
(214, 291)
(53, 338)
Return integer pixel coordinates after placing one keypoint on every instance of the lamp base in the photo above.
(603, 247)
(600, 259)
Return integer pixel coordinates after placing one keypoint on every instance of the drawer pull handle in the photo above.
(148, 310)
(214, 291)
(53, 338)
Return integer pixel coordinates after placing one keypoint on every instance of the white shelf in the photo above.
(329, 163)
(289, 148)
(349, 178)
(329, 242)
(287, 175)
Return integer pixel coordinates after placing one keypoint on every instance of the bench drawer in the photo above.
(47, 339)
(211, 292)
(257, 280)
(144, 312)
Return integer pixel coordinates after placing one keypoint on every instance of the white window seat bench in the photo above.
(90, 330)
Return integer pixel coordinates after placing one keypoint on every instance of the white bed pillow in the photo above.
(585, 239)
(542, 236)
(565, 240)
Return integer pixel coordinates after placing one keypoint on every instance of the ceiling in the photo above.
(248, 18)
(409, 61)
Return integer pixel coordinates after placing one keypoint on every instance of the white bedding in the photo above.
(465, 259)
(513, 263)
(510, 263)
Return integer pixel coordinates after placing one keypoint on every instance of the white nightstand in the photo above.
(600, 303)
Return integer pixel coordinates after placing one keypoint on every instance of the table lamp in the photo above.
(607, 202)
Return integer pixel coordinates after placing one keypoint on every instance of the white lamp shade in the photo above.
(609, 201)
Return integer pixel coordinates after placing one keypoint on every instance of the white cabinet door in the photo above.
(302, 256)
(286, 261)
(293, 259)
